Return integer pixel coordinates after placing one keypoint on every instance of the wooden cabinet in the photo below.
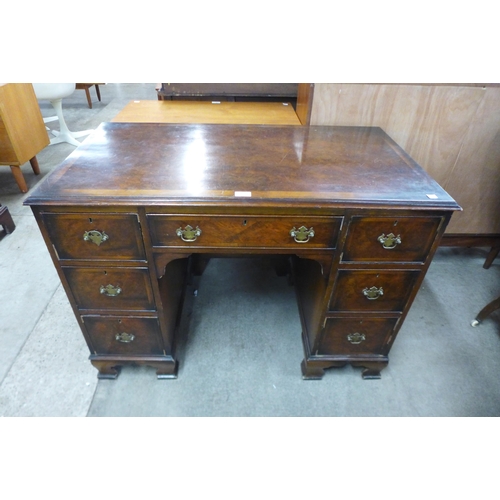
(22, 131)
(322, 199)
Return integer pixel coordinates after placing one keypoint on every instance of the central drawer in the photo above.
(111, 288)
(244, 231)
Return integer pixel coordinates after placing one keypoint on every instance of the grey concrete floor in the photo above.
(241, 349)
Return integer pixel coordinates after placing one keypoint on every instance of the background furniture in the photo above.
(55, 93)
(486, 311)
(86, 87)
(492, 255)
(300, 95)
(6, 220)
(22, 131)
(126, 220)
(264, 92)
(270, 113)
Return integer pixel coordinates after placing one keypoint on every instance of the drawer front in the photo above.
(111, 288)
(240, 231)
(379, 290)
(96, 236)
(355, 336)
(124, 335)
(385, 239)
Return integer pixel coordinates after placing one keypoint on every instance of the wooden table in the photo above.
(137, 206)
(268, 113)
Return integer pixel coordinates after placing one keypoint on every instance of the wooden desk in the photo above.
(134, 207)
(265, 113)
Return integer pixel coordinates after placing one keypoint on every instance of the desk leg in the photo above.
(107, 369)
(492, 255)
(110, 368)
(164, 370)
(371, 369)
(315, 370)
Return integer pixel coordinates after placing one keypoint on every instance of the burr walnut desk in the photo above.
(137, 206)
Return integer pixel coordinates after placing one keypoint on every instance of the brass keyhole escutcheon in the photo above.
(110, 290)
(390, 241)
(96, 237)
(302, 234)
(373, 293)
(125, 337)
(188, 233)
(356, 338)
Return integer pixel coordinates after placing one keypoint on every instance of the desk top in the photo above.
(233, 165)
(265, 113)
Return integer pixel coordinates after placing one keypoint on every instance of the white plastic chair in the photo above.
(55, 93)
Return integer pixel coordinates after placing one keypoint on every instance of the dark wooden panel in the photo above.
(229, 89)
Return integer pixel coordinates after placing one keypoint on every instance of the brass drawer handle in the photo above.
(373, 293)
(302, 234)
(188, 233)
(356, 338)
(125, 337)
(390, 241)
(110, 290)
(95, 237)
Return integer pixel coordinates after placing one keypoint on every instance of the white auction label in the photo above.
(244, 194)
